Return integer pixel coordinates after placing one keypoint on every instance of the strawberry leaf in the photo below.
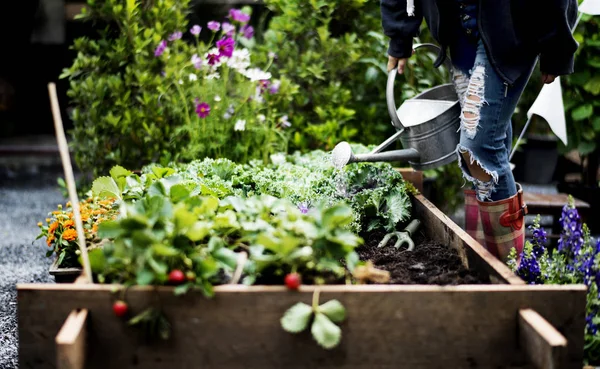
(325, 332)
(296, 318)
(334, 310)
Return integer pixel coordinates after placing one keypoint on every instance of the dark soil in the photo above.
(428, 263)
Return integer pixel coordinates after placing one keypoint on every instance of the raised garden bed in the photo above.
(503, 324)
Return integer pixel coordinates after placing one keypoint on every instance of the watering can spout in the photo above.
(342, 155)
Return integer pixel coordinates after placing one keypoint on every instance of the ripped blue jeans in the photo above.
(486, 128)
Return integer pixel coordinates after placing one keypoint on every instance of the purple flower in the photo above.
(237, 15)
(195, 30)
(303, 207)
(196, 61)
(228, 28)
(175, 36)
(202, 109)
(213, 58)
(272, 55)
(160, 49)
(284, 122)
(529, 268)
(225, 47)
(214, 26)
(274, 88)
(247, 31)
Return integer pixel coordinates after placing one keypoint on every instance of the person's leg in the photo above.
(483, 153)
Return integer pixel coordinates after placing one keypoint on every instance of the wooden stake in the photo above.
(70, 178)
(545, 346)
(71, 340)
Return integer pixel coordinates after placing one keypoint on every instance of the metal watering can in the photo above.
(427, 126)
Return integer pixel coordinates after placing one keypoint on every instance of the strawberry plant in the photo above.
(322, 319)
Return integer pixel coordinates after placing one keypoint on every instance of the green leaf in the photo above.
(198, 231)
(325, 332)
(582, 112)
(106, 187)
(337, 216)
(184, 218)
(110, 229)
(334, 311)
(162, 172)
(119, 174)
(144, 277)
(296, 318)
(97, 260)
(226, 256)
(179, 192)
(163, 250)
(182, 289)
(158, 267)
(586, 147)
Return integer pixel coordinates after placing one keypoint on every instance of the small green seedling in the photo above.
(324, 330)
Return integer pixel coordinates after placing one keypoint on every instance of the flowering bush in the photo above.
(575, 260)
(60, 232)
(142, 93)
(225, 103)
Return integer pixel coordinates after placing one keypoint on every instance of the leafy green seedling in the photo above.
(323, 328)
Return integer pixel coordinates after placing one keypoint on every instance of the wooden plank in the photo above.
(70, 341)
(545, 347)
(442, 229)
(386, 326)
(557, 200)
(415, 177)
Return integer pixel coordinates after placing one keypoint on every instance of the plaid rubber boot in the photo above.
(472, 219)
(504, 225)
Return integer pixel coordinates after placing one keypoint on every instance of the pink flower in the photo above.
(225, 47)
(247, 31)
(160, 49)
(237, 15)
(203, 110)
(228, 28)
(213, 58)
(196, 61)
(175, 36)
(214, 26)
(195, 30)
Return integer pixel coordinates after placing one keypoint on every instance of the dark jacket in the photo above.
(514, 32)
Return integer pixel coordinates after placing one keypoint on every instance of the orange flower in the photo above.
(95, 228)
(70, 215)
(69, 234)
(85, 217)
(49, 240)
(69, 223)
(52, 228)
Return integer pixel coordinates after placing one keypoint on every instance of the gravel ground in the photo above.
(25, 199)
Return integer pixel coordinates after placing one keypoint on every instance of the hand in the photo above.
(548, 78)
(400, 63)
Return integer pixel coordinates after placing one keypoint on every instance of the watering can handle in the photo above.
(389, 91)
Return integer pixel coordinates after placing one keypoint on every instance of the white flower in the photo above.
(240, 125)
(240, 60)
(256, 74)
(278, 158)
(261, 118)
(193, 77)
(180, 82)
(214, 75)
(217, 98)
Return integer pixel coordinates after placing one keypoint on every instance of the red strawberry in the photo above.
(176, 277)
(120, 308)
(293, 281)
